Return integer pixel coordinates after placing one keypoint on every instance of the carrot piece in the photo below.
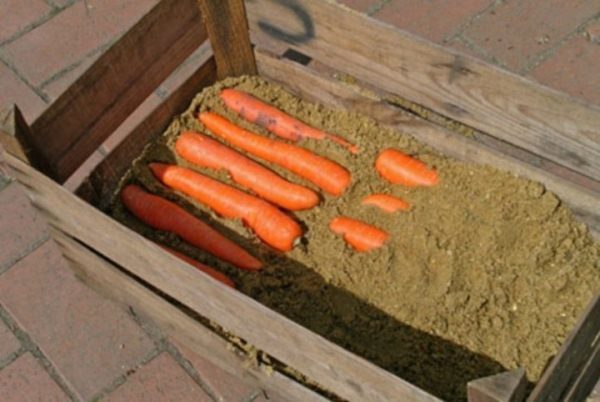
(400, 168)
(270, 224)
(164, 215)
(204, 151)
(360, 235)
(201, 267)
(276, 121)
(323, 172)
(388, 203)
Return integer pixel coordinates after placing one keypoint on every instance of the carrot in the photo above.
(388, 203)
(276, 121)
(323, 172)
(164, 215)
(360, 235)
(201, 267)
(269, 223)
(400, 168)
(204, 151)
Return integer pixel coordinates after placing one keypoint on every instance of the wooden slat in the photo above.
(497, 102)
(308, 84)
(101, 183)
(15, 136)
(336, 369)
(575, 369)
(108, 280)
(101, 99)
(227, 28)
(503, 387)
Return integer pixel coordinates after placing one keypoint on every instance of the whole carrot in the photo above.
(400, 168)
(360, 235)
(164, 215)
(201, 267)
(269, 223)
(323, 172)
(276, 121)
(204, 151)
(388, 203)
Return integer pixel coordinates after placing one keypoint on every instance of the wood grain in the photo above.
(575, 369)
(227, 28)
(99, 186)
(309, 84)
(336, 369)
(509, 107)
(504, 387)
(79, 121)
(107, 279)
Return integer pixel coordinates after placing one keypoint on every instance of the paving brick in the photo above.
(161, 380)
(593, 32)
(224, 385)
(361, 5)
(14, 90)
(26, 380)
(84, 170)
(8, 342)
(21, 227)
(71, 35)
(21, 13)
(89, 340)
(433, 19)
(571, 69)
(56, 87)
(516, 31)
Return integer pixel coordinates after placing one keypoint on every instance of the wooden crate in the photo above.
(328, 54)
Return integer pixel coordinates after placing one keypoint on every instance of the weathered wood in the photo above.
(336, 369)
(102, 182)
(108, 280)
(504, 387)
(15, 136)
(575, 369)
(492, 100)
(309, 84)
(227, 28)
(79, 121)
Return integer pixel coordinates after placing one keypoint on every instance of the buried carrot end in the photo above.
(361, 236)
(387, 203)
(400, 168)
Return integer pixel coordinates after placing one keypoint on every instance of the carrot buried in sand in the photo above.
(387, 203)
(360, 235)
(201, 267)
(400, 168)
(323, 172)
(204, 151)
(164, 215)
(276, 121)
(270, 224)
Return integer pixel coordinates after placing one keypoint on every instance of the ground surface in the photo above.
(61, 341)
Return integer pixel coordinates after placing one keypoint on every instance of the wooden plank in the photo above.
(575, 369)
(79, 121)
(504, 387)
(227, 28)
(107, 279)
(492, 100)
(308, 84)
(102, 182)
(336, 369)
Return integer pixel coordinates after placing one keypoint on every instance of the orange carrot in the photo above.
(276, 121)
(204, 151)
(201, 267)
(400, 168)
(388, 203)
(323, 172)
(270, 224)
(165, 215)
(360, 235)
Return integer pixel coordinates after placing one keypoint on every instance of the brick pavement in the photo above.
(60, 340)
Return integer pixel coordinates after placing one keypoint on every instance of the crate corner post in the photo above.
(509, 386)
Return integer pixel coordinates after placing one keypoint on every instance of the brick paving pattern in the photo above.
(59, 340)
